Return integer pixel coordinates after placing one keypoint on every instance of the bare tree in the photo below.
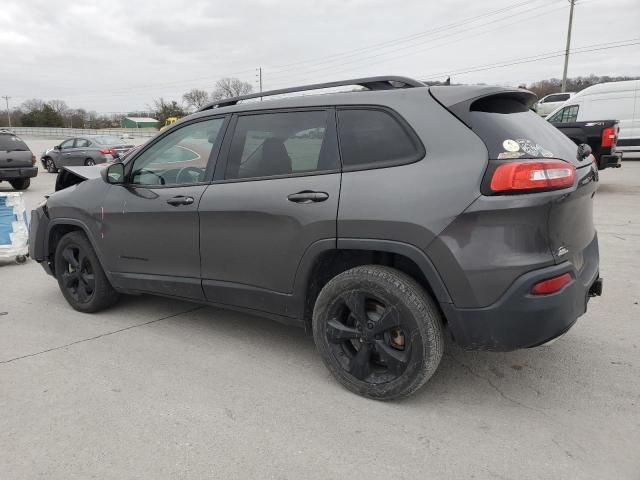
(60, 106)
(33, 105)
(230, 87)
(196, 98)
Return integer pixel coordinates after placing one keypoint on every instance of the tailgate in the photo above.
(512, 132)
(15, 159)
(13, 152)
(571, 228)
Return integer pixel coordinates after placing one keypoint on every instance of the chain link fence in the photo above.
(78, 132)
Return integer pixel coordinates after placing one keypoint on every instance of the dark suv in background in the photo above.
(17, 162)
(376, 219)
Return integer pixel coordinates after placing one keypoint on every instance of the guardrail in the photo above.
(78, 132)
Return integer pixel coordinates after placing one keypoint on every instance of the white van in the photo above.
(607, 101)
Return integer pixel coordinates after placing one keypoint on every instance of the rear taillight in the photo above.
(551, 285)
(33, 159)
(608, 137)
(107, 151)
(527, 175)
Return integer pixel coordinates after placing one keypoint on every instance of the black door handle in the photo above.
(180, 200)
(307, 196)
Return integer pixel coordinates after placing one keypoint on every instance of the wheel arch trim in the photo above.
(308, 261)
(55, 222)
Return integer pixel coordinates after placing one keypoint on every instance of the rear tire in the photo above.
(378, 332)
(20, 183)
(89, 162)
(80, 275)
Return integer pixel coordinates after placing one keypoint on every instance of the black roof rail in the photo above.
(372, 83)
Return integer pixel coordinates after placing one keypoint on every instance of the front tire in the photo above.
(50, 165)
(80, 275)
(20, 183)
(378, 332)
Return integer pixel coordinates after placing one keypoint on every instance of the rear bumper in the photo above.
(610, 161)
(18, 172)
(521, 320)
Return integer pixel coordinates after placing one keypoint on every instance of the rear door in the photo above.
(80, 151)
(276, 197)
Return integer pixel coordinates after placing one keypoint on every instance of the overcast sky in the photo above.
(117, 55)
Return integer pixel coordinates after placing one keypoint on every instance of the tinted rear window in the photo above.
(510, 130)
(374, 138)
(11, 143)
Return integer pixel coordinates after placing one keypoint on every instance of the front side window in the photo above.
(180, 157)
(284, 143)
(67, 144)
(370, 138)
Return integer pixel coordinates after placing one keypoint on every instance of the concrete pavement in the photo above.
(156, 388)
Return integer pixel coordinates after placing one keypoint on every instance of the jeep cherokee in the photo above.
(377, 219)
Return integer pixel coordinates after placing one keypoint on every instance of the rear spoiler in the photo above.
(458, 100)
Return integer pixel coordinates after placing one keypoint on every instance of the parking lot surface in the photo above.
(157, 388)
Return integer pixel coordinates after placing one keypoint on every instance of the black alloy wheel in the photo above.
(368, 339)
(77, 277)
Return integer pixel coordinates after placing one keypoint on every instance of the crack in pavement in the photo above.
(495, 387)
(100, 336)
(514, 401)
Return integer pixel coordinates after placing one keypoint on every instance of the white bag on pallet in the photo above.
(14, 229)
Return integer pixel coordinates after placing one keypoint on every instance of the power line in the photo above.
(279, 69)
(398, 40)
(465, 34)
(534, 58)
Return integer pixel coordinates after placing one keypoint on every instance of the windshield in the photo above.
(11, 143)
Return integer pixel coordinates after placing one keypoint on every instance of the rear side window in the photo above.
(566, 115)
(286, 143)
(12, 143)
(560, 97)
(510, 130)
(374, 138)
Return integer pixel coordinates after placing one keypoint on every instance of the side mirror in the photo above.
(57, 147)
(584, 151)
(113, 174)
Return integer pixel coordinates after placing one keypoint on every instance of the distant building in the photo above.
(139, 122)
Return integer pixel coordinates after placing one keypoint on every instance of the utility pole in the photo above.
(259, 75)
(566, 53)
(6, 99)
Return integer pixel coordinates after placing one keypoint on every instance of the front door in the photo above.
(65, 154)
(151, 224)
(277, 196)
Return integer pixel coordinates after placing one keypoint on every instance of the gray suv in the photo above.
(376, 219)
